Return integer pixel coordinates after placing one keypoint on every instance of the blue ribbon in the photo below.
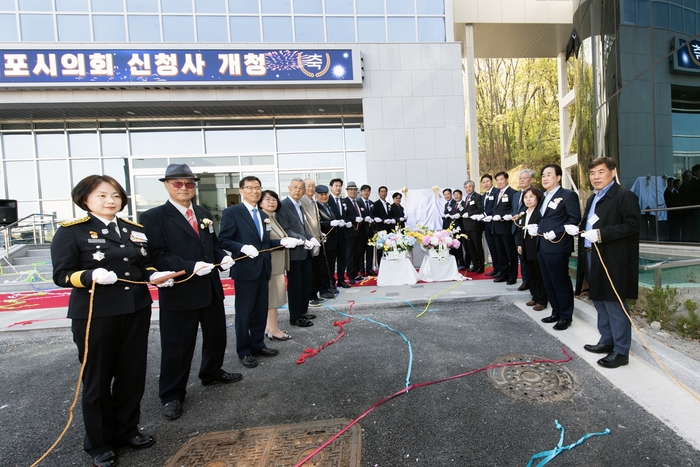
(549, 455)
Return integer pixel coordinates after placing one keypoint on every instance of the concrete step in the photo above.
(6, 269)
(30, 260)
(12, 287)
(41, 252)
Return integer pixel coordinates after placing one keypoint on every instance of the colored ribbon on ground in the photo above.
(420, 385)
(310, 352)
(547, 456)
(430, 300)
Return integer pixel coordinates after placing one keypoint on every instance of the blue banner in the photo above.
(134, 67)
(687, 56)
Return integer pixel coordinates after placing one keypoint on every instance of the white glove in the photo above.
(368, 219)
(315, 250)
(401, 219)
(456, 216)
(508, 217)
(157, 275)
(550, 235)
(393, 221)
(348, 224)
(496, 218)
(202, 269)
(358, 219)
(465, 215)
(250, 251)
(387, 221)
(104, 277)
(478, 217)
(335, 223)
(590, 235)
(226, 263)
(571, 229)
(314, 242)
(308, 245)
(378, 220)
(287, 242)
(532, 229)
(488, 219)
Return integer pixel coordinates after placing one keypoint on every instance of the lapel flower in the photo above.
(205, 223)
(267, 220)
(558, 200)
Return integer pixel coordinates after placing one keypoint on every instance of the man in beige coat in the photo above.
(314, 226)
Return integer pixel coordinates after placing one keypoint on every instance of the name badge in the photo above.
(138, 236)
(593, 219)
(97, 240)
(268, 228)
(552, 205)
(211, 229)
(504, 199)
(491, 198)
(471, 203)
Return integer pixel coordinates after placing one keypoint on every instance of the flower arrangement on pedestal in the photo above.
(436, 242)
(394, 244)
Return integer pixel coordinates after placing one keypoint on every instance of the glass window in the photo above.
(276, 6)
(107, 6)
(399, 7)
(402, 29)
(310, 161)
(239, 141)
(642, 12)
(54, 180)
(212, 29)
(82, 168)
(142, 6)
(308, 6)
(629, 11)
(17, 146)
(309, 139)
(676, 18)
(37, 27)
(277, 29)
(677, 2)
(370, 30)
(35, 5)
(7, 5)
(50, 145)
(21, 180)
(689, 23)
(430, 7)
(145, 143)
(178, 29)
(150, 163)
(109, 28)
(340, 29)
(257, 160)
(83, 145)
(206, 161)
(354, 139)
(71, 5)
(267, 180)
(356, 166)
(117, 169)
(113, 144)
(73, 28)
(176, 6)
(210, 6)
(8, 28)
(339, 7)
(431, 30)
(243, 6)
(63, 209)
(370, 7)
(245, 29)
(144, 29)
(689, 4)
(149, 193)
(308, 29)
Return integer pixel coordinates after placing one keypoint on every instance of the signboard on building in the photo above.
(686, 58)
(139, 67)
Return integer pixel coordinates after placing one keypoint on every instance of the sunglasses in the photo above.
(188, 185)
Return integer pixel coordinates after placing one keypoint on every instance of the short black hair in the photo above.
(505, 174)
(365, 187)
(335, 180)
(556, 167)
(272, 194)
(449, 190)
(486, 176)
(458, 191)
(380, 188)
(86, 186)
(396, 194)
(248, 178)
(535, 191)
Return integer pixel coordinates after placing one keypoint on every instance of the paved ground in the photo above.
(466, 421)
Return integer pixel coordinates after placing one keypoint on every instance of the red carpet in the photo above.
(372, 281)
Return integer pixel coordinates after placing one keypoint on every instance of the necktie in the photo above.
(357, 210)
(254, 211)
(543, 208)
(113, 227)
(500, 193)
(192, 220)
(340, 208)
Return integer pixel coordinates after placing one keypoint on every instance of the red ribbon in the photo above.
(310, 352)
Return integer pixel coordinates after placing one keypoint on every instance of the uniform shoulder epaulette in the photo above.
(131, 222)
(74, 222)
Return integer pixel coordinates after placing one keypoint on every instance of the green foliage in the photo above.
(661, 305)
(689, 326)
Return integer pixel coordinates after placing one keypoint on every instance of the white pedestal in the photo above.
(434, 270)
(397, 272)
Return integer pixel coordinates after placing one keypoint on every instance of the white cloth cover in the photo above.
(397, 272)
(434, 270)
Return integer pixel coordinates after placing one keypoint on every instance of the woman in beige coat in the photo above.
(270, 203)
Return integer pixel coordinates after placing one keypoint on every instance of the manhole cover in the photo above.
(277, 446)
(532, 381)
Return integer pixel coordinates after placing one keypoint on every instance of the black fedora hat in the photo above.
(176, 171)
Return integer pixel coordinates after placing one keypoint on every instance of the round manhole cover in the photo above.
(532, 380)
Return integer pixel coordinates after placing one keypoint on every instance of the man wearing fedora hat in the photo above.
(181, 237)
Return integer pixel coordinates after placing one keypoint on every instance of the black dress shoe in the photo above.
(613, 360)
(598, 348)
(491, 273)
(562, 325)
(352, 282)
(479, 271)
(265, 352)
(224, 378)
(302, 323)
(249, 361)
(550, 319)
(309, 316)
(106, 459)
(141, 441)
(500, 279)
(523, 286)
(172, 409)
(344, 285)
(512, 282)
(328, 296)
(471, 269)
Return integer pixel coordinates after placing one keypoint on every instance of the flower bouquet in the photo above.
(394, 244)
(436, 242)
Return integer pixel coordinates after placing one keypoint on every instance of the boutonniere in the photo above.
(205, 223)
(558, 200)
(267, 220)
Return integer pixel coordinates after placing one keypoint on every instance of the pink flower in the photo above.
(455, 243)
(426, 240)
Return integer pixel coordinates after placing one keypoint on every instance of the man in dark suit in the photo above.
(292, 219)
(672, 198)
(181, 237)
(489, 200)
(338, 207)
(503, 231)
(311, 215)
(471, 216)
(524, 181)
(611, 222)
(449, 209)
(559, 207)
(382, 219)
(244, 231)
(461, 254)
(331, 228)
(354, 235)
(367, 209)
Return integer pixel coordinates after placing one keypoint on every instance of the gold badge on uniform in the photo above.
(93, 234)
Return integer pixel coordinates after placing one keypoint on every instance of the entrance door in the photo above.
(217, 191)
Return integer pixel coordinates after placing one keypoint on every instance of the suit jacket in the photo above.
(619, 223)
(280, 258)
(79, 247)
(175, 246)
(501, 208)
(288, 219)
(489, 200)
(563, 209)
(311, 212)
(397, 212)
(326, 217)
(449, 209)
(367, 210)
(379, 211)
(350, 214)
(474, 206)
(524, 240)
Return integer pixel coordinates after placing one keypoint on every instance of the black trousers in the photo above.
(317, 264)
(491, 242)
(368, 265)
(327, 257)
(178, 336)
(555, 275)
(299, 287)
(341, 257)
(114, 377)
(355, 252)
(507, 256)
(252, 298)
(534, 280)
(476, 248)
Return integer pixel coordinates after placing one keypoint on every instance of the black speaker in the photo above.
(8, 211)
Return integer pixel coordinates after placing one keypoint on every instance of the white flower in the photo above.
(205, 223)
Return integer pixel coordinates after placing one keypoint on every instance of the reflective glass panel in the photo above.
(166, 142)
(8, 28)
(144, 29)
(21, 180)
(629, 11)
(72, 5)
(113, 144)
(239, 141)
(142, 6)
(676, 17)
(689, 4)
(35, 5)
(54, 180)
(308, 28)
(642, 12)
(399, 7)
(310, 161)
(660, 14)
(689, 22)
(83, 145)
(370, 30)
(206, 161)
(277, 29)
(178, 29)
(402, 29)
(50, 145)
(210, 6)
(431, 30)
(62, 209)
(25, 208)
(339, 7)
(430, 7)
(354, 139)
(7, 5)
(340, 29)
(82, 168)
(176, 6)
(148, 193)
(109, 28)
(73, 28)
(107, 6)
(308, 6)
(117, 169)
(36, 27)
(267, 180)
(243, 6)
(356, 166)
(257, 160)
(150, 163)
(309, 139)
(276, 6)
(370, 7)
(212, 29)
(245, 29)
(17, 146)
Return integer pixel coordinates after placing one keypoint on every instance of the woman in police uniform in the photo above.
(102, 247)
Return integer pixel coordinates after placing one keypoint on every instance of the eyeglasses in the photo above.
(178, 185)
(253, 188)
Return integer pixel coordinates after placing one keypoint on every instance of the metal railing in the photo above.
(32, 229)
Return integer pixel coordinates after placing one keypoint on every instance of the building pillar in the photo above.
(566, 132)
(470, 102)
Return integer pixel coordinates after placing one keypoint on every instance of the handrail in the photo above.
(661, 265)
(15, 223)
(5, 229)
